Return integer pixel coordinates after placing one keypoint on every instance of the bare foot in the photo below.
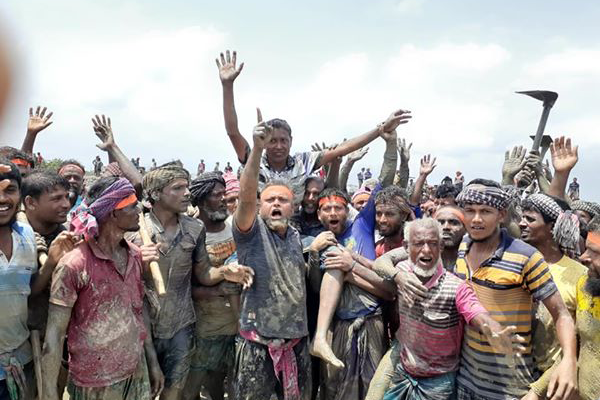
(320, 348)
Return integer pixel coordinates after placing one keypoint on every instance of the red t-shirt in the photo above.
(381, 247)
(106, 330)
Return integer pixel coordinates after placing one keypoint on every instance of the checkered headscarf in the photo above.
(160, 177)
(566, 224)
(484, 195)
(589, 207)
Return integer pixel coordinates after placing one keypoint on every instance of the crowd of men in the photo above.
(277, 283)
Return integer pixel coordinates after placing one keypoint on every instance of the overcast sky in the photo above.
(332, 69)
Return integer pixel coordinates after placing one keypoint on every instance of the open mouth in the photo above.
(276, 214)
(425, 260)
(334, 223)
(4, 208)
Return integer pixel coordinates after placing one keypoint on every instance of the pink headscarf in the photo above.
(232, 185)
(85, 219)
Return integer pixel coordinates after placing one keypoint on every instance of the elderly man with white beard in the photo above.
(426, 353)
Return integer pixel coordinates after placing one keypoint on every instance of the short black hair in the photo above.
(393, 195)
(71, 161)
(315, 179)
(13, 174)
(334, 192)
(98, 188)
(40, 182)
(445, 191)
(278, 123)
(485, 182)
(12, 153)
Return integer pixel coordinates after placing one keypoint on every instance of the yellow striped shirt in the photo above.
(506, 285)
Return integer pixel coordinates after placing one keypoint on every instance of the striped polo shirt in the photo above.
(507, 284)
(430, 331)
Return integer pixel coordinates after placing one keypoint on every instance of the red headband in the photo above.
(71, 165)
(337, 199)
(131, 199)
(458, 214)
(20, 161)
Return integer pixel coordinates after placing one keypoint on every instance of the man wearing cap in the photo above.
(271, 358)
(277, 162)
(217, 306)
(548, 224)
(588, 316)
(97, 299)
(507, 275)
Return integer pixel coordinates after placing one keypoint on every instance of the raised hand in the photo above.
(262, 132)
(564, 155)
(389, 136)
(227, 68)
(358, 154)
(39, 120)
(238, 274)
(395, 119)
(103, 129)
(534, 162)
(404, 150)
(427, 165)
(514, 162)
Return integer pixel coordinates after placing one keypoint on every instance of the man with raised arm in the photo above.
(272, 347)
(277, 162)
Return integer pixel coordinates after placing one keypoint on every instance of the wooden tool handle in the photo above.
(37, 361)
(42, 257)
(159, 284)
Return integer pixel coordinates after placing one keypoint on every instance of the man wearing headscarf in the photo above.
(507, 275)
(548, 224)
(585, 210)
(97, 299)
(182, 254)
(217, 306)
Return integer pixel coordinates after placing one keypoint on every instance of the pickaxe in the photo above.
(548, 98)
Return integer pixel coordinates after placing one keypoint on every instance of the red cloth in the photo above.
(106, 331)
(284, 361)
(381, 247)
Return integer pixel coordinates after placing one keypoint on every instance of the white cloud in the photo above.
(409, 6)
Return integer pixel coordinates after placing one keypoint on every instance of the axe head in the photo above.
(545, 96)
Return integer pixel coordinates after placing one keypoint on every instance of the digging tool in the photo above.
(37, 360)
(548, 98)
(544, 146)
(159, 284)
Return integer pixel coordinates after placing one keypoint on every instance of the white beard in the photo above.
(425, 273)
